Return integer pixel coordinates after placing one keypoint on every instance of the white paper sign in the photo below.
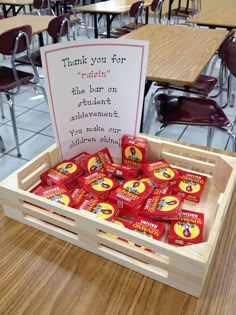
(95, 92)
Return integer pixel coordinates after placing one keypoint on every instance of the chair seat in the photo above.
(203, 85)
(182, 12)
(189, 111)
(7, 79)
(35, 56)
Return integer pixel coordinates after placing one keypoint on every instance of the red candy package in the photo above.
(57, 193)
(103, 209)
(162, 207)
(190, 185)
(187, 230)
(148, 227)
(134, 151)
(97, 161)
(98, 184)
(65, 172)
(161, 173)
(130, 194)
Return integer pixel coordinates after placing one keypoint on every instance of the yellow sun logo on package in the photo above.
(134, 186)
(133, 153)
(67, 168)
(102, 184)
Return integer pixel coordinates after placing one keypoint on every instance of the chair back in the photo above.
(156, 5)
(59, 27)
(136, 11)
(15, 40)
(229, 38)
(230, 57)
(41, 4)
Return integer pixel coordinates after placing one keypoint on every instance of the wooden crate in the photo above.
(184, 268)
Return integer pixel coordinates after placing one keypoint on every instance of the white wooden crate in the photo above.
(184, 268)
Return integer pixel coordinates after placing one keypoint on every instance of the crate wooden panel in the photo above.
(184, 268)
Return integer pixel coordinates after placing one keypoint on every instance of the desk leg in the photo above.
(41, 42)
(146, 89)
(108, 25)
(4, 9)
(169, 10)
(95, 25)
(146, 15)
(14, 11)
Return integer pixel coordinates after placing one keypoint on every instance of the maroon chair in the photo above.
(57, 28)
(12, 42)
(229, 59)
(135, 13)
(192, 111)
(186, 12)
(43, 7)
(203, 86)
(156, 8)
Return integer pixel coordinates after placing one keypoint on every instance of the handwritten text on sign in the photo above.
(95, 91)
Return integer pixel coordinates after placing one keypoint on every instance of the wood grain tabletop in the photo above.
(38, 23)
(111, 6)
(218, 17)
(178, 54)
(43, 275)
(17, 2)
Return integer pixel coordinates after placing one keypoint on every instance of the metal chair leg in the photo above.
(13, 118)
(1, 107)
(210, 134)
(2, 146)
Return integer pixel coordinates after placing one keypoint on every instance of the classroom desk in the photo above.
(110, 9)
(43, 275)
(219, 17)
(39, 24)
(14, 5)
(177, 54)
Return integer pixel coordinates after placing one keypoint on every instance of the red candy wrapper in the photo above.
(130, 194)
(190, 185)
(65, 172)
(97, 161)
(98, 184)
(121, 171)
(148, 228)
(103, 209)
(187, 230)
(77, 193)
(161, 173)
(162, 207)
(134, 151)
(57, 193)
(164, 191)
(121, 223)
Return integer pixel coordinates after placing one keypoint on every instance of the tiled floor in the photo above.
(36, 133)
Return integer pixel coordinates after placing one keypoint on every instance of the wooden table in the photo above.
(110, 9)
(177, 54)
(43, 275)
(219, 17)
(14, 5)
(39, 24)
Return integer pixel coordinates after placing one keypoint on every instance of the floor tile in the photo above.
(33, 120)
(18, 111)
(9, 164)
(48, 131)
(34, 146)
(8, 137)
